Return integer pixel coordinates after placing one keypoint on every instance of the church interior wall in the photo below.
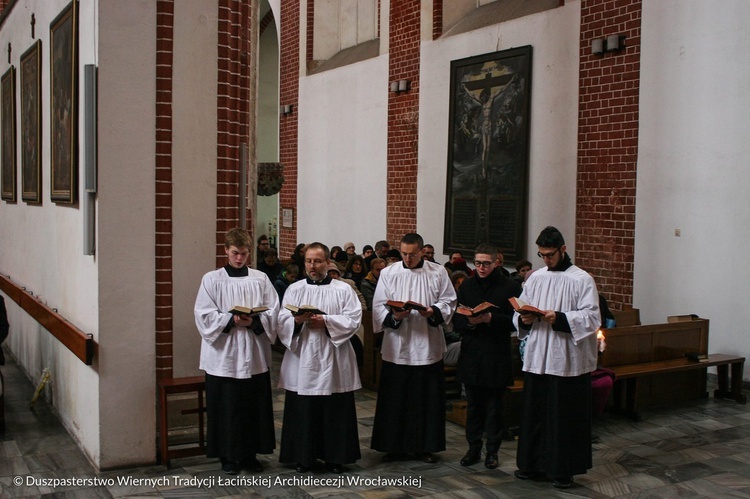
(126, 238)
(692, 169)
(553, 34)
(342, 154)
(43, 243)
(194, 156)
(268, 122)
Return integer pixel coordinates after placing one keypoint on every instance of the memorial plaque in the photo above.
(488, 153)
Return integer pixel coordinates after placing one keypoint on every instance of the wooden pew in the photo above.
(370, 374)
(651, 368)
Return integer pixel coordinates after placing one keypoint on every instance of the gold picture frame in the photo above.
(64, 105)
(31, 124)
(8, 135)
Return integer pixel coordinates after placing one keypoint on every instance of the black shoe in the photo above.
(231, 467)
(391, 456)
(472, 456)
(335, 468)
(427, 457)
(563, 482)
(301, 468)
(252, 464)
(528, 475)
(491, 462)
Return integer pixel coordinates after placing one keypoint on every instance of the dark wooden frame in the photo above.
(31, 124)
(64, 105)
(488, 153)
(8, 124)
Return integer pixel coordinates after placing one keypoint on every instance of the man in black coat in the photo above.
(485, 366)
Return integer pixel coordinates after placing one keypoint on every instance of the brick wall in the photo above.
(163, 216)
(403, 119)
(288, 94)
(608, 148)
(233, 116)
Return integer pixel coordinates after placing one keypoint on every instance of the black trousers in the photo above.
(484, 414)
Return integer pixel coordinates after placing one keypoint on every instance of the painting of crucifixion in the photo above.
(488, 152)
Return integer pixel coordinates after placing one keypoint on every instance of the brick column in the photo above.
(403, 119)
(288, 132)
(608, 147)
(233, 105)
(163, 228)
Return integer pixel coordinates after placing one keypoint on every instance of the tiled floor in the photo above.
(698, 449)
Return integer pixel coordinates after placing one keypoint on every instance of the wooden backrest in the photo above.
(654, 342)
(627, 317)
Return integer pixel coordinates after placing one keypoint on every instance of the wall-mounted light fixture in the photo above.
(286, 109)
(615, 42)
(612, 43)
(400, 86)
(597, 46)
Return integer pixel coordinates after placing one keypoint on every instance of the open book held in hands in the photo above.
(522, 307)
(399, 306)
(251, 311)
(480, 309)
(304, 309)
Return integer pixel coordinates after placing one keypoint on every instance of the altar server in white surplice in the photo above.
(236, 356)
(319, 371)
(410, 412)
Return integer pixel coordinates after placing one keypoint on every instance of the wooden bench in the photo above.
(649, 363)
(2, 402)
(170, 386)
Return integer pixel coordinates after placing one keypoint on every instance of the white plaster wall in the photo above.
(193, 169)
(42, 245)
(692, 167)
(268, 121)
(554, 35)
(342, 154)
(127, 76)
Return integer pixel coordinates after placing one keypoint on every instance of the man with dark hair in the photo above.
(381, 251)
(555, 433)
(410, 411)
(236, 356)
(428, 253)
(319, 371)
(485, 366)
(263, 245)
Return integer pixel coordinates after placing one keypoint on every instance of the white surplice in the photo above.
(239, 353)
(415, 342)
(320, 361)
(573, 292)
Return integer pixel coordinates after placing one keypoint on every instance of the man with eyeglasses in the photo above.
(485, 366)
(410, 411)
(555, 433)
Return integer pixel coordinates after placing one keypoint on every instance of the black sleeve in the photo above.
(257, 326)
(390, 322)
(561, 323)
(436, 318)
(229, 325)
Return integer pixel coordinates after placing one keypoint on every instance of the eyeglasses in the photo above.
(478, 264)
(547, 255)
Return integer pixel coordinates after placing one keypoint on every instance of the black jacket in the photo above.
(4, 327)
(485, 349)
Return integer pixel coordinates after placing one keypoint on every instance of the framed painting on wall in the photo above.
(488, 152)
(64, 105)
(8, 124)
(31, 124)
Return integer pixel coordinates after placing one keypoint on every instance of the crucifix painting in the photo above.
(488, 152)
